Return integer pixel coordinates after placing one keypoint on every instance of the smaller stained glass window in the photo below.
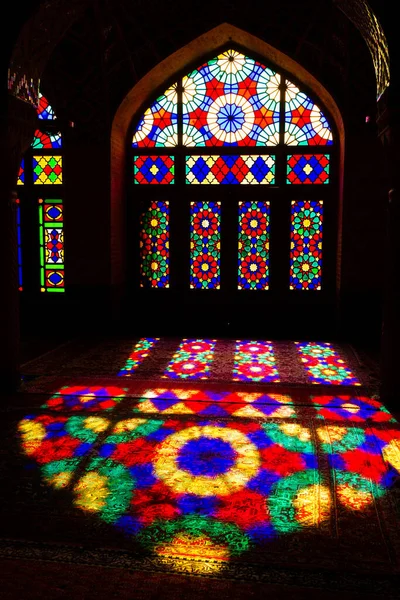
(253, 246)
(159, 124)
(51, 240)
(305, 123)
(307, 168)
(153, 169)
(47, 170)
(205, 231)
(230, 169)
(44, 110)
(154, 246)
(19, 243)
(46, 141)
(306, 245)
(21, 173)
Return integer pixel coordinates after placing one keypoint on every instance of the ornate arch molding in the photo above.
(159, 76)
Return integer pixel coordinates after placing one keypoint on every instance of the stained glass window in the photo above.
(153, 169)
(255, 361)
(44, 109)
(19, 245)
(192, 360)
(47, 170)
(324, 364)
(230, 169)
(253, 246)
(154, 246)
(51, 240)
(21, 173)
(306, 245)
(159, 124)
(305, 123)
(205, 230)
(308, 168)
(46, 141)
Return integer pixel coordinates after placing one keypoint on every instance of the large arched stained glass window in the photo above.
(234, 121)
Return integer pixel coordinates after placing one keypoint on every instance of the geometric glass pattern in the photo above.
(324, 365)
(253, 257)
(47, 141)
(306, 245)
(21, 173)
(44, 110)
(232, 100)
(51, 241)
(254, 361)
(47, 170)
(19, 245)
(154, 246)
(139, 353)
(307, 168)
(230, 169)
(153, 169)
(205, 229)
(192, 360)
(305, 124)
(158, 126)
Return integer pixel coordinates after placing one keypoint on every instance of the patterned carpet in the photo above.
(280, 481)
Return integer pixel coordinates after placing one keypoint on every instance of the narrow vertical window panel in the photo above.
(154, 246)
(19, 246)
(21, 173)
(306, 245)
(51, 244)
(205, 244)
(153, 169)
(253, 246)
(308, 169)
(47, 170)
(305, 123)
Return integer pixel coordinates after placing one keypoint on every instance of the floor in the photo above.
(229, 461)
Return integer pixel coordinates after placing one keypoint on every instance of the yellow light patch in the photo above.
(283, 411)
(331, 433)
(248, 411)
(91, 492)
(96, 424)
(179, 409)
(130, 424)
(313, 505)
(60, 480)
(307, 169)
(33, 433)
(352, 498)
(185, 545)
(145, 407)
(391, 454)
(154, 169)
(86, 398)
(296, 430)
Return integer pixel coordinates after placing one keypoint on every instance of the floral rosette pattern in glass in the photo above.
(306, 245)
(139, 353)
(205, 231)
(254, 361)
(232, 100)
(192, 360)
(324, 364)
(154, 246)
(159, 124)
(305, 123)
(253, 258)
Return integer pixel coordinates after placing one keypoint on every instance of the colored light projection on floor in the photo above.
(19, 245)
(324, 364)
(51, 242)
(305, 123)
(154, 246)
(153, 169)
(253, 246)
(21, 173)
(44, 110)
(306, 245)
(308, 168)
(214, 489)
(46, 141)
(80, 398)
(211, 403)
(192, 360)
(349, 408)
(47, 170)
(255, 361)
(140, 351)
(159, 124)
(232, 100)
(230, 169)
(205, 232)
